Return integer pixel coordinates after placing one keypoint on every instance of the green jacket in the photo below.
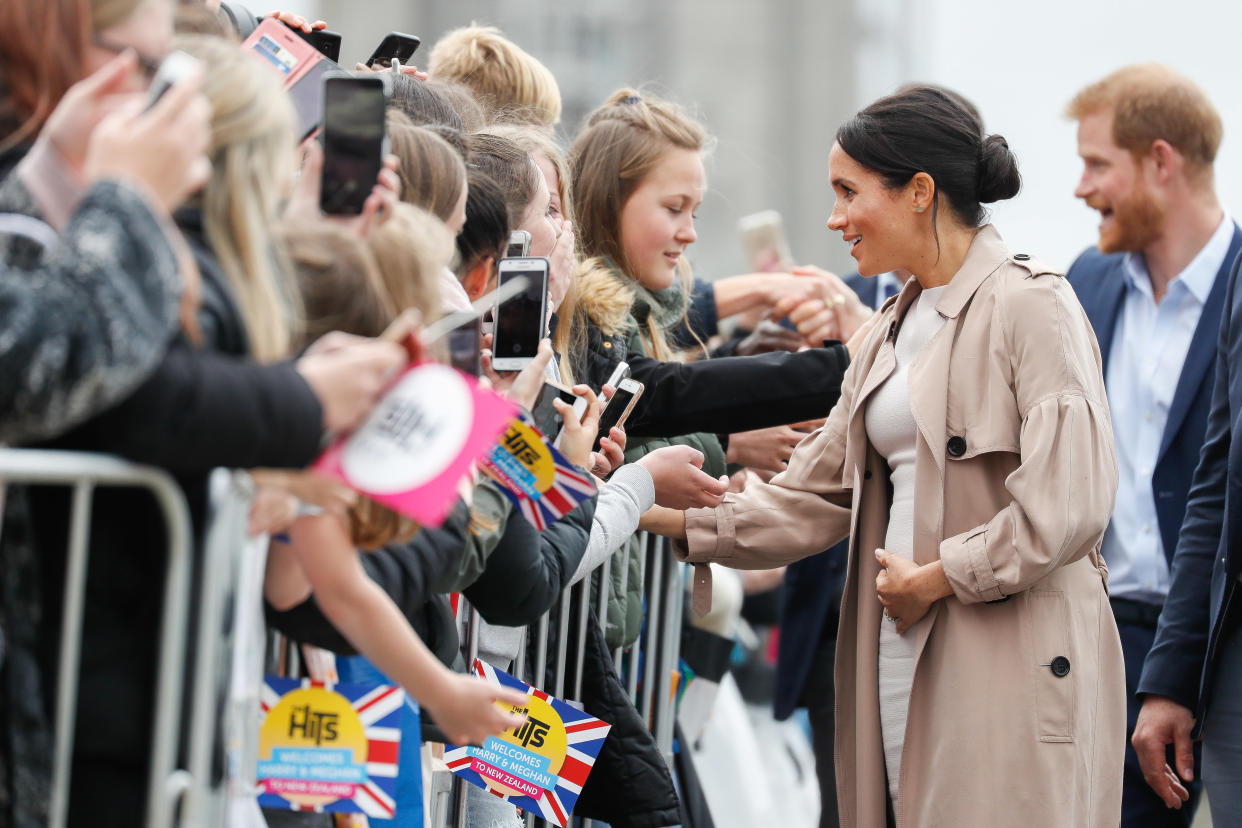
(612, 309)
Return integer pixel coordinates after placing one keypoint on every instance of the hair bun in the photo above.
(998, 171)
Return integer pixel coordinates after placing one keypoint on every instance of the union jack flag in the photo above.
(379, 710)
(569, 487)
(584, 734)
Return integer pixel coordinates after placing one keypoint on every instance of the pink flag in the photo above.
(419, 441)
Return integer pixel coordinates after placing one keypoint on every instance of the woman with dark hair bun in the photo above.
(979, 676)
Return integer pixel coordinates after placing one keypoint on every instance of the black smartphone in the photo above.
(394, 45)
(520, 322)
(353, 141)
(325, 42)
(545, 415)
(618, 407)
(463, 347)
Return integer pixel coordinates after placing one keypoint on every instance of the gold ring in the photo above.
(838, 300)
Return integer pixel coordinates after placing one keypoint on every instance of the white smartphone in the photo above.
(519, 244)
(763, 237)
(619, 407)
(521, 321)
(173, 68)
(619, 373)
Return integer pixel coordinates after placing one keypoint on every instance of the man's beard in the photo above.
(1136, 222)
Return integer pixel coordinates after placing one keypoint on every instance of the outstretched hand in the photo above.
(467, 711)
(680, 482)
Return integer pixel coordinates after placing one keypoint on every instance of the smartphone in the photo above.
(173, 68)
(354, 133)
(619, 407)
(325, 42)
(619, 373)
(763, 237)
(463, 349)
(394, 46)
(301, 67)
(520, 323)
(519, 244)
(545, 415)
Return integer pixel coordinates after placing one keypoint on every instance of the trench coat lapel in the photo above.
(929, 402)
(929, 374)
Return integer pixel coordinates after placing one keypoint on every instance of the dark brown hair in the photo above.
(926, 129)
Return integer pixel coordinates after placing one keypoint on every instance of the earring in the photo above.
(919, 209)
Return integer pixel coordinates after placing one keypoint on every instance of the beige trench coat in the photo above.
(1015, 478)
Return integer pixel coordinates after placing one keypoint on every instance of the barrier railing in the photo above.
(646, 667)
(83, 473)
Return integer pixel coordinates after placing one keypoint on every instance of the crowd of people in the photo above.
(1000, 496)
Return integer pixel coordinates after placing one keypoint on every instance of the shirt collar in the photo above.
(1198, 276)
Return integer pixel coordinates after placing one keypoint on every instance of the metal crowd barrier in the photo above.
(84, 473)
(190, 796)
(655, 654)
(185, 796)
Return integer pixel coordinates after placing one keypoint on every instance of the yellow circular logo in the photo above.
(312, 718)
(530, 450)
(542, 733)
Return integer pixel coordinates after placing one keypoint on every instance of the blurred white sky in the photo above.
(1022, 61)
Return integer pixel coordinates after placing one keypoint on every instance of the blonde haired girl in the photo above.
(252, 153)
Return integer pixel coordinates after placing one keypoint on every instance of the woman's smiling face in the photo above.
(873, 218)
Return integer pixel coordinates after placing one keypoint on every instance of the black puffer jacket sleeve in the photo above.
(201, 410)
(725, 396)
(405, 571)
(528, 569)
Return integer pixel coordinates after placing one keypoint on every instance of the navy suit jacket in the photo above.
(1208, 560)
(1099, 281)
(813, 588)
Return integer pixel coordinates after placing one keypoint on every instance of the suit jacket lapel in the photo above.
(1202, 351)
(1103, 312)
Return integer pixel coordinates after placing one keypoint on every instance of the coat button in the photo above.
(867, 474)
(1021, 257)
(607, 344)
(956, 446)
(1060, 666)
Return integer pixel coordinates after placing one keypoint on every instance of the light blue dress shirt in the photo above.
(1150, 342)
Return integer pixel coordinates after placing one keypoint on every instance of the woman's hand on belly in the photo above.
(908, 590)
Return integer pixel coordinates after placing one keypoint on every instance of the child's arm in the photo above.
(461, 705)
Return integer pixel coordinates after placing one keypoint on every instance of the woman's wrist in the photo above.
(933, 583)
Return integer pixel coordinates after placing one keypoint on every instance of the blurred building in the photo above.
(771, 80)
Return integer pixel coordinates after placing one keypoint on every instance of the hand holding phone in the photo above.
(619, 407)
(176, 66)
(394, 46)
(545, 414)
(325, 42)
(354, 135)
(577, 434)
(520, 323)
(614, 379)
